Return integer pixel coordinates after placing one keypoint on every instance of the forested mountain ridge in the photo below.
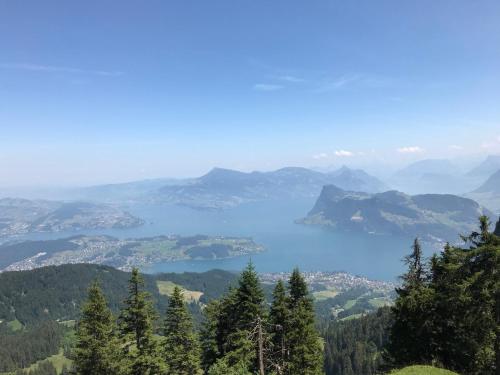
(56, 292)
(134, 342)
(432, 216)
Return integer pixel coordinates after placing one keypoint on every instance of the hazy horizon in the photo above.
(92, 93)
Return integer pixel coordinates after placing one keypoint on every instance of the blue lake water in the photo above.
(272, 225)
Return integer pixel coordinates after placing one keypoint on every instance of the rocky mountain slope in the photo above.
(430, 216)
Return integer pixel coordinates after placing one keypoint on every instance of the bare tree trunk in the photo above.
(261, 346)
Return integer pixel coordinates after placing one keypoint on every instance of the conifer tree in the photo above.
(415, 276)
(279, 318)
(136, 326)
(305, 352)
(411, 334)
(242, 310)
(209, 334)
(96, 349)
(467, 304)
(497, 229)
(181, 347)
(227, 332)
(249, 298)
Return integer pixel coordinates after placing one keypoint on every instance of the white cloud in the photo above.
(58, 69)
(410, 150)
(343, 153)
(455, 147)
(292, 79)
(266, 87)
(337, 83)
(356, 80)
(320, 156)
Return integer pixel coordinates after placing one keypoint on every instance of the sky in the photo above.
(108, 91)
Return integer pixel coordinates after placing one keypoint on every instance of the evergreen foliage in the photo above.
(354, 347)
(451, 315)
(22, 349)
(181, 347)
(279, 318)
(136, 327)
(240, 337)
(210, 344)
(412, 314)
(42, 368)
(97, 348)
(305, 352)
(57, 292)
(249, 298)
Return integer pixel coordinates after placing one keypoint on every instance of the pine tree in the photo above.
(181, 347)
(279, 319)
(497, 229)
(136, 326)
(209, 334)
(305, 352)
(229, 335)
(249, 298)
(96, 349)
(410, 339)
(415, 275)
(298, 288)
(467, 304)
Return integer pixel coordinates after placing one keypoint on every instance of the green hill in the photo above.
(56, 293)
(422, 370)
(434, 216)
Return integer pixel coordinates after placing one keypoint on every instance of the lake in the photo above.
(270, 224)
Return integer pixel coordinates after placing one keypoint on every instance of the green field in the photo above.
(324, 294)
(15, 325)
(380, 302)
(351, 317)
(350, 304)
(58, 360)
(422, 370)
(166, 288)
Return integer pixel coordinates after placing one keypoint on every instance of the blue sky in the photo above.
(106, 91)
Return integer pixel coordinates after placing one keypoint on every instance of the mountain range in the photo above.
(488, 194)
(432, 176)
(431, 216)
(222, 188)
(486, 168)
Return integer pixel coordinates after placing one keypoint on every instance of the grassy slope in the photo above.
(58, 360)
(422, 370)
(166, 288)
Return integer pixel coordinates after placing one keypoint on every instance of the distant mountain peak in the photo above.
(431, 216)
(491, 185)
(497, 228)
(489, 166)
(223, 188)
